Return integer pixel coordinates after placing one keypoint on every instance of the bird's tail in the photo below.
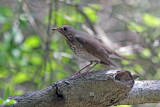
(113, 64)
(122, 57)
(110, 63)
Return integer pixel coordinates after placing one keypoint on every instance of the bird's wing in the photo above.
(95, 48)
(114, 54)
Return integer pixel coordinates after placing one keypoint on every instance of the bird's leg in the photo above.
(91, 68)
(82, 69)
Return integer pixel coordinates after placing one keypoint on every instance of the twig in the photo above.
(39, 32)
(79, 9)
(31, 20)
(46, 50)
(56, 7)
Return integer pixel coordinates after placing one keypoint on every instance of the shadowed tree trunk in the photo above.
(101, 88)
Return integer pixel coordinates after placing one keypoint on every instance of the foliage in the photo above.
(24, 61)
(149, 30)
(6, 101)
(29, 62)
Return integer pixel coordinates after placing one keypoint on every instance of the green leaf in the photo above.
(151, 20)
(6, 26)
(124, 62)
(71, 17)
(23, 21)
(60, 75)
(32, 41)
(146, 53)
(138, 67)
(155, 59)
(60, 20)
(135, 27)
(1, 101)
(75, 18)
(18, 92)
(53, 65)
(23, 17)
(20, 77)
(10, 102)
(6, 94)
(54, 45)
(4, 72)
(91, 14)
(5, 13)
(36, 59)
(65, 59)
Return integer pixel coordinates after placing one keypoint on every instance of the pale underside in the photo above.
(78, 51)
(85, 55)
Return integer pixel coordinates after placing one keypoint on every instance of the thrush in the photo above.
(88, 48)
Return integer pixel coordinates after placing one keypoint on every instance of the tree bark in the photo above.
(96, 89)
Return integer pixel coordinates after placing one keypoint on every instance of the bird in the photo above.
(88, 48)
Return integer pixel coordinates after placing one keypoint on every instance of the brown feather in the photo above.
(106, 48)
(88, 47)
(112, 52)
(95, 48)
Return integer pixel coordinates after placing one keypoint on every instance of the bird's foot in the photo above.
(92, 71)
(87, 72)
(75, 73)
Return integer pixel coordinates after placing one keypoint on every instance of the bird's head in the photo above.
(66, 30)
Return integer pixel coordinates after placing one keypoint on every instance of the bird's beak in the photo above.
(57, 29)
(54, 28)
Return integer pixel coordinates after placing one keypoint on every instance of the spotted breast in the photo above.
(78, 50)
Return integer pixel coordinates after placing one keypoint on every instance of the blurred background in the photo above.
(32, 56)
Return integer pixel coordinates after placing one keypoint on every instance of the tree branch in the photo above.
(101, 88)
(143, 92)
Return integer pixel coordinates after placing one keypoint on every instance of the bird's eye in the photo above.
(65, 29)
